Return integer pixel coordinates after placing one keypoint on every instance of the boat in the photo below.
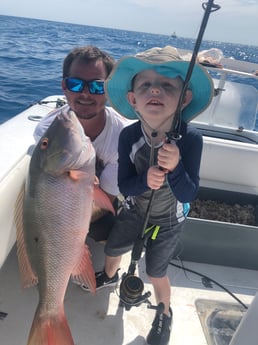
(214, 276)
(174, 35)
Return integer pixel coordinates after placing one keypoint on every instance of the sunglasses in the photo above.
(95, 87)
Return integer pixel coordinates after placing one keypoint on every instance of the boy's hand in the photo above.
(155, 177)
(168, 157)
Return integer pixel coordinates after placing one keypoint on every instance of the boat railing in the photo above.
(235, 103)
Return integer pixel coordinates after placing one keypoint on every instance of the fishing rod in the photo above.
(173, 134)
(131, 287)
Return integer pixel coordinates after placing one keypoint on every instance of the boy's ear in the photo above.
(131, 98)
(187, 99)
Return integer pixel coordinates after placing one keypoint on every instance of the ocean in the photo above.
(32, 53)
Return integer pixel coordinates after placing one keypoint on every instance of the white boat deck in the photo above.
(97, 319)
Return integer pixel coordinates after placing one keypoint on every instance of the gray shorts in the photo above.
(159, 251)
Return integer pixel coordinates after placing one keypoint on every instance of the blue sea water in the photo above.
(32, 53)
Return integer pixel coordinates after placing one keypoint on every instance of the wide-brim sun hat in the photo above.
(167, 62)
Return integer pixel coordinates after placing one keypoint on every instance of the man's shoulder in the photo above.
(116, 118)
(133, 126)
(133, 132)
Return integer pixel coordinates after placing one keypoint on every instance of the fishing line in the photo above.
(206, 281)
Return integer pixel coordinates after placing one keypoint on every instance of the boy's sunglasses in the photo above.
(95, 87)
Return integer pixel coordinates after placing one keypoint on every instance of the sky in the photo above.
(236, 21)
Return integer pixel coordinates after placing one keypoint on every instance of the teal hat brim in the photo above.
(119, 83)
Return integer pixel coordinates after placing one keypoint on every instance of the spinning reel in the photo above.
(131, 288)
(131, 292)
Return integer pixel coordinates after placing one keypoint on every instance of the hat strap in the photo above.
(144, 122)
(146, 125)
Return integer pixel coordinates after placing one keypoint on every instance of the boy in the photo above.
(148, 87)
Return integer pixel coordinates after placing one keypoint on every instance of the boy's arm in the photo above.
(129, 182)
(184, 179)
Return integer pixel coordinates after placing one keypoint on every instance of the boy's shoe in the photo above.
(102, 280)
(161, 328)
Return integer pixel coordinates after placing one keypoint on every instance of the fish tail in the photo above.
(49, 330)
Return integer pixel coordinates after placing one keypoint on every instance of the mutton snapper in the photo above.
(52, 222)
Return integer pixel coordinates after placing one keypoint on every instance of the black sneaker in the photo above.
(161, 328)
(102, 280)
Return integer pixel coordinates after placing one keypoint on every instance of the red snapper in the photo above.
(52, 219)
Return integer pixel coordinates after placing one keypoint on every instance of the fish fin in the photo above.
(50, 329)
(102, 200)
(28, 278)
(77, 174)
(83, 272)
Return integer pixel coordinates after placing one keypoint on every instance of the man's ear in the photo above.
(187, 99)
(63, 85)
(131, 99)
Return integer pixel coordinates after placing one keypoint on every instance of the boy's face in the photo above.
(155, 97)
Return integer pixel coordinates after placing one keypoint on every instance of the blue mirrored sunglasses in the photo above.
(95, 87)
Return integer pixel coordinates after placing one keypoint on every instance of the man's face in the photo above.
(85, 104)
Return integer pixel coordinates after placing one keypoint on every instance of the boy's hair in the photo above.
(87, 54)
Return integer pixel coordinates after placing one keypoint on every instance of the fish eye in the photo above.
(44, 143)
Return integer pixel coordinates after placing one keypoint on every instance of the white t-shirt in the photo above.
(106, 145)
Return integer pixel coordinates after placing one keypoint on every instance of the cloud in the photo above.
(247, 2)
(167, 5)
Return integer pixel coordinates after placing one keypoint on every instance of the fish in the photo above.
(52, 218)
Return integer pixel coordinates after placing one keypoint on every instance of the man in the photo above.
(84, 72)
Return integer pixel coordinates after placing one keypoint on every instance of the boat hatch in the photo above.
(219, 320)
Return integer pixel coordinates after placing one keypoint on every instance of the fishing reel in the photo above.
(131, 292)
(131, 287)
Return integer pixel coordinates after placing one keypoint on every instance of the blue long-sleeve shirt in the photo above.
(181, 185)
